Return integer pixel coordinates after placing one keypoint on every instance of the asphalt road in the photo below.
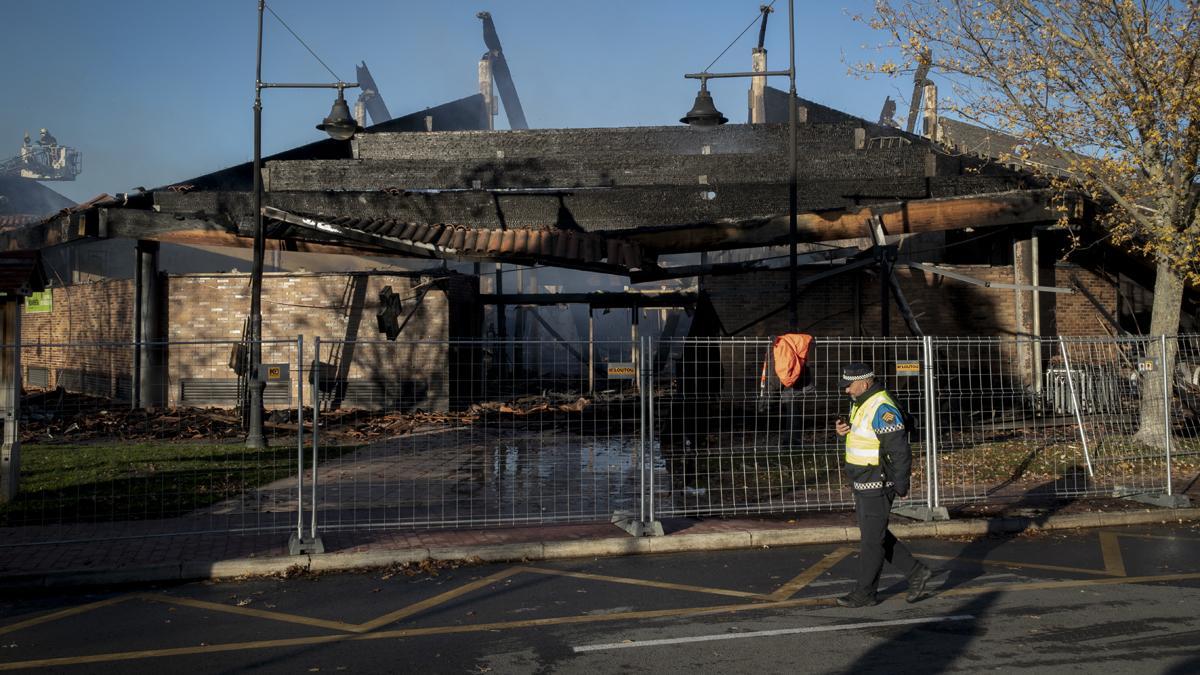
(1117, 600)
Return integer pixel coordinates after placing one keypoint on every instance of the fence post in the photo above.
(299, 544)
(931, 510)
(930, 422)
(300, 436)
(643, 425)
(651, 525)
(1171, 499)
(1166, 393)
(644, 524)
(316, 444)
(648, 357)
(10, 399)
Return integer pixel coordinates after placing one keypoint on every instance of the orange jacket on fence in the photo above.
(791, 352)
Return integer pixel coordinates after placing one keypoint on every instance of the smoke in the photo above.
(24, 196)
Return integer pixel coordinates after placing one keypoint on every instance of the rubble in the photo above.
(59, 416)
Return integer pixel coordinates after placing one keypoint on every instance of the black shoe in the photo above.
(916, 584)
(857, 599)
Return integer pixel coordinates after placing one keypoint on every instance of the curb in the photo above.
(584, 548)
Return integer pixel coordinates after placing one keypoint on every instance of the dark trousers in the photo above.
(878, 543)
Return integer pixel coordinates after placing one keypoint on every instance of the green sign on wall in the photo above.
(41, 302)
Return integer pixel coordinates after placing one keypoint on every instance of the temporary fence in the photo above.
(729, 438)
(142, 439)
(452, 434)
(1061, 417)
(121, 439)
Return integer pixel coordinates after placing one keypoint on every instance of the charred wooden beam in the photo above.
(420, 247)
(718, 269)
(1016, 207)
(612, 209)
(201, 231)
(607, 300)
(213, 220)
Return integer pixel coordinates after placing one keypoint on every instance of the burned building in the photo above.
(898, 234)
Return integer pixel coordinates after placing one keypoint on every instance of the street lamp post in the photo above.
(341, 127)
(705, 114)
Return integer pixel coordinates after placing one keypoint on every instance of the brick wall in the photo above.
(96, 314)
(942, 306)
(1076, 314)
(338, 308)
(209, 310)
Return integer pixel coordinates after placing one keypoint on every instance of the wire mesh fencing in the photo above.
(121, 439)
(1183, 467)
(474, 433)
(730, 438)
(136, 439)
(1051, 418)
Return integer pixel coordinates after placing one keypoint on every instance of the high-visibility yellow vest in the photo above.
(862, 445)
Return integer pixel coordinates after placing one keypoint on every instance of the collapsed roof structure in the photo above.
(440, 185)
(603, 200)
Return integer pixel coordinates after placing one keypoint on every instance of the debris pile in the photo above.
(60, 416)
(366, 424)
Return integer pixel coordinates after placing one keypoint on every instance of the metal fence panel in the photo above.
(1022, 418)
(731, 439)
(112, 446)
(474, 433)
(121, 439)
(1184, 464)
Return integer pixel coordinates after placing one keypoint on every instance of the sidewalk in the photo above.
(216, 556)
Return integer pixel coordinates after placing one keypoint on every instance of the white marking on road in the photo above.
(772, 633)
(887, 578)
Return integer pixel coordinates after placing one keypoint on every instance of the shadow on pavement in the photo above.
(933, 648)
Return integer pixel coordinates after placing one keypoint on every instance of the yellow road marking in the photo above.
(1008, 563)
(1114, 563)
(595, 618)
(806, 577)
(401, 633)
(53, 616)
(247, 611)
(1156, 536)
(533, 623)
(1066, 583)
(642, 582)
(436, 600)
(175, 651)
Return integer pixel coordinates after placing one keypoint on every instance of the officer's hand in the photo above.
(841, 427)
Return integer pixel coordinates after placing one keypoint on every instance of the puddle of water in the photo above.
(563, 473)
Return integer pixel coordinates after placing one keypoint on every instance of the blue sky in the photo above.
(157, 91)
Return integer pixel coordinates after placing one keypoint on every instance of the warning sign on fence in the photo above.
(908, 368)
(274, 371)
(620, 370)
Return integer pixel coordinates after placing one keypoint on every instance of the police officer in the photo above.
(877, 463)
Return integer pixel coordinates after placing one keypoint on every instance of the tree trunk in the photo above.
(1164, 320)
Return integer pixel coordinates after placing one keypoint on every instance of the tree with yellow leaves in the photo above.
(1111, 87)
